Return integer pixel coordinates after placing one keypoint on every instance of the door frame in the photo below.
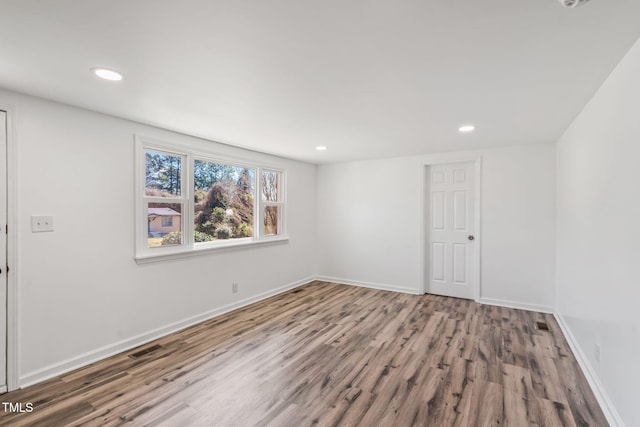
(12, 252)
(425, 211)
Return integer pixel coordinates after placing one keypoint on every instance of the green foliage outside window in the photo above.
(224, 197)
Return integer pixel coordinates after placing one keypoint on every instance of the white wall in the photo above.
(518, 226)
(598, 241)
(369, 224)
(81, 295)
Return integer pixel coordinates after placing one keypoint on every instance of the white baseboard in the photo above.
(518, 305)
(3, 389)
(598, 389)
(380, 286)
(138, 340)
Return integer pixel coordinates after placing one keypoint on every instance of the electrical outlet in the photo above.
(40, 223)
(596, 352)
(234, 288)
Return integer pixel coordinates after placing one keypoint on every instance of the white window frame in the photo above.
(190, 152)
(280, 203)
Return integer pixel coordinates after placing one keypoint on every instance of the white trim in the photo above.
(87, 358)
(613, 417)
(13, 359)
(4, 219)
(204, 250)
(281, 203)
(381, 286)
(478, 231)
(425, 215)
(517, 305)
(203, 151)
(3, 389)
(439, 159)
(140, 202)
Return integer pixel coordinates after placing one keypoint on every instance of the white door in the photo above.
(451, 240)
(3, 251)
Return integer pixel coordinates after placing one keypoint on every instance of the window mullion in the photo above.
(189, 204)
(151, 199)
(258, 225)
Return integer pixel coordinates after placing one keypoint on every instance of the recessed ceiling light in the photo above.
(321, 148)
(107, 74)
(467, 128)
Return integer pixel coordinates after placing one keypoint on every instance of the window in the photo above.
(163, 197)
(271, 202)
(190, 200)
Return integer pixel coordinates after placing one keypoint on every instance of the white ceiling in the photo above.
(367, 78)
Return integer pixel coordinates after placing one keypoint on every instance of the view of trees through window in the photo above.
(224, 197)
(163, 175)
(223, 200)
(271, 197)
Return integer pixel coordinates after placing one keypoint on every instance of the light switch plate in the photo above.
(40, 223)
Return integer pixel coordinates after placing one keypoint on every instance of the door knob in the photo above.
(471, 237)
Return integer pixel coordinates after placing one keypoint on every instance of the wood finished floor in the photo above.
(332, 355)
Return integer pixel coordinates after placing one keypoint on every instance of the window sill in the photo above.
(188, 253)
